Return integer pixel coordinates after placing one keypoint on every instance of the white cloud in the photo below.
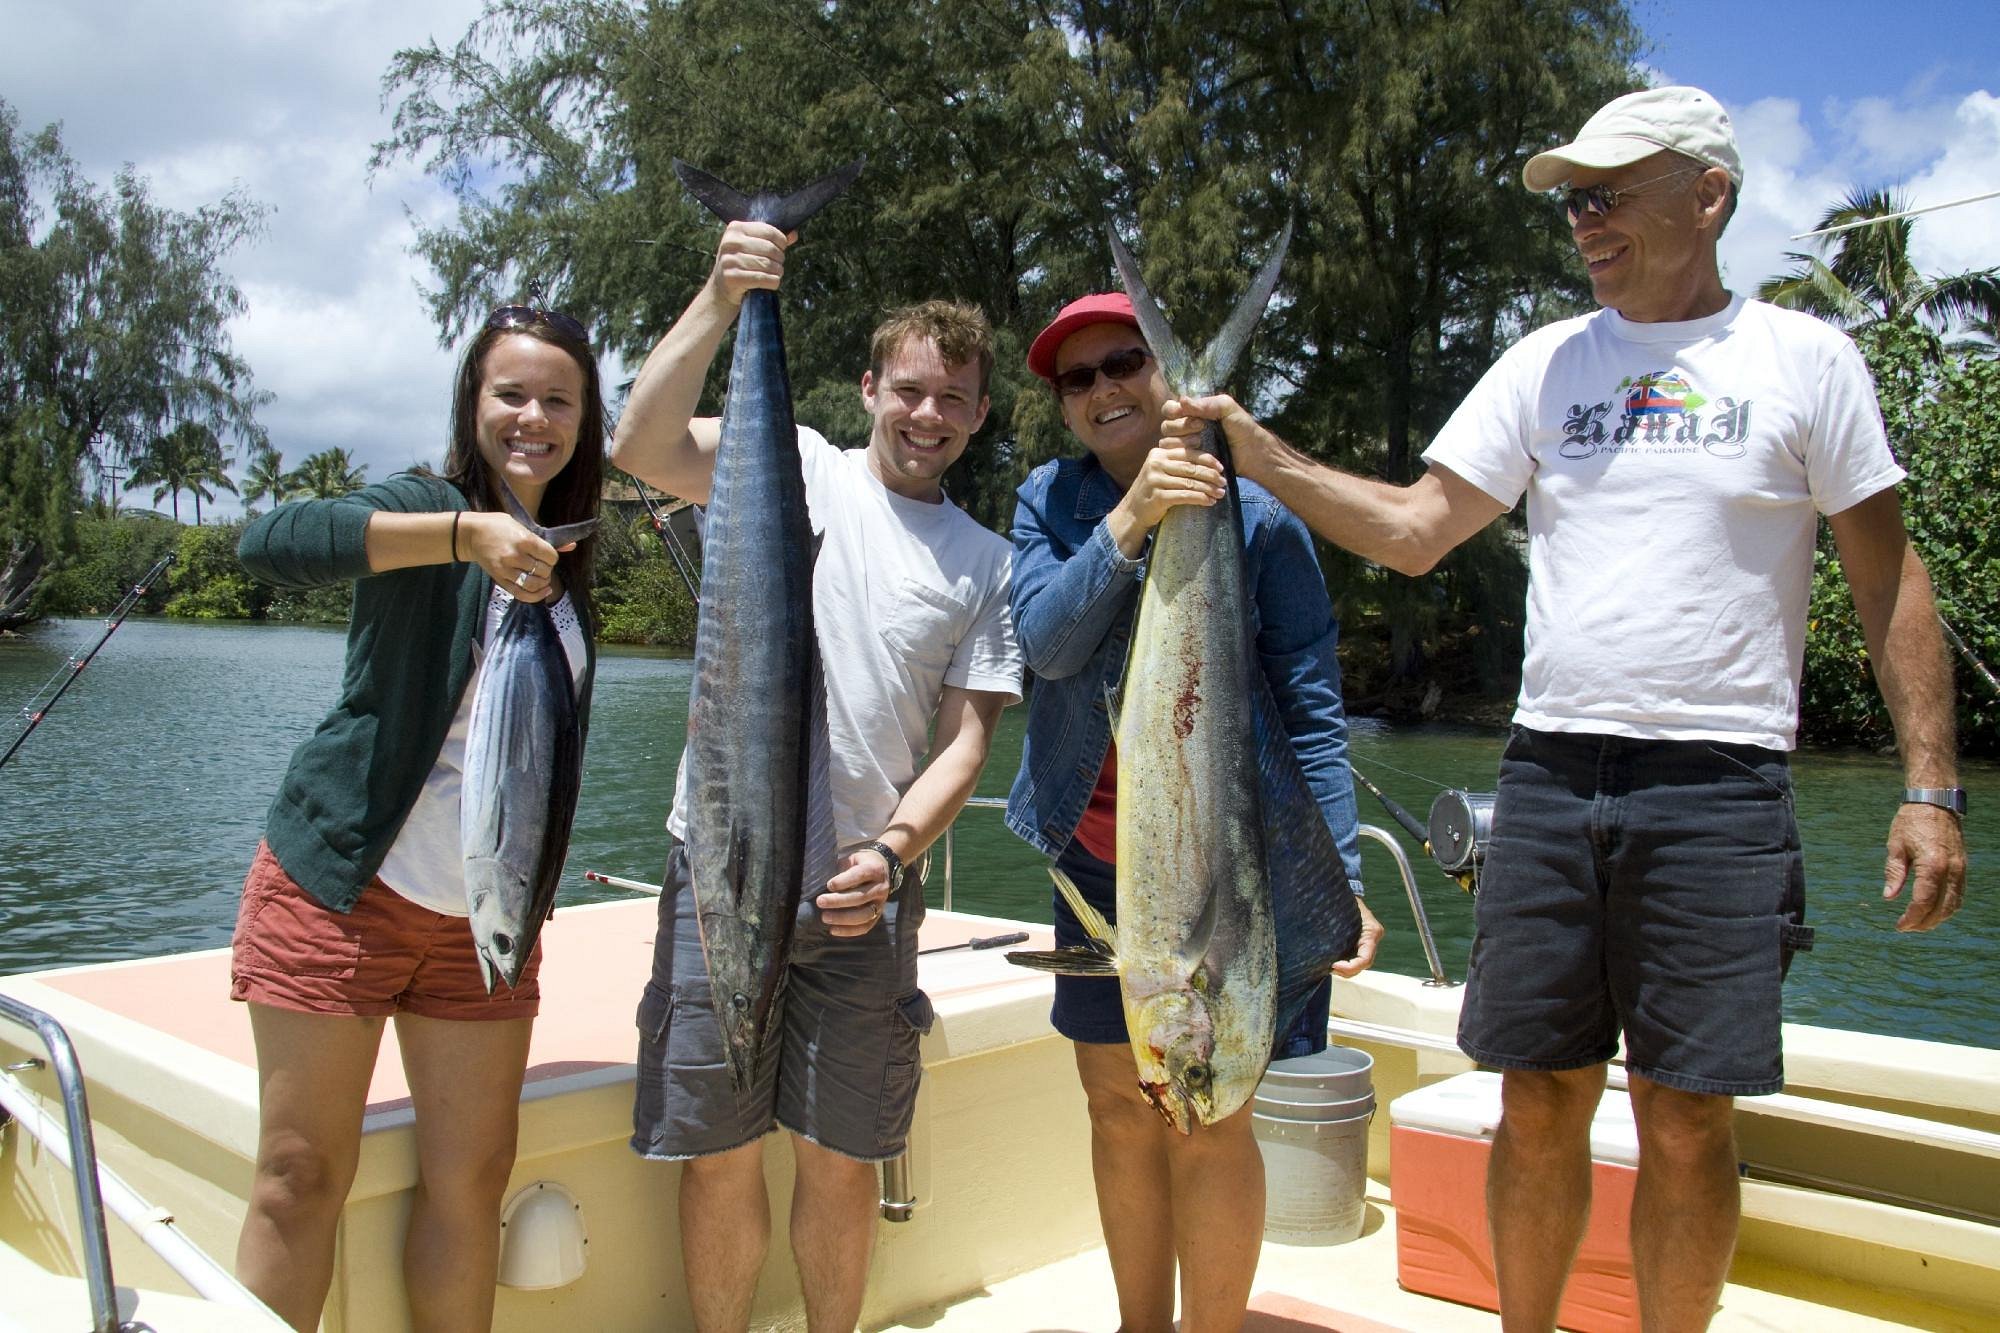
(281, 98)
(1930, 150)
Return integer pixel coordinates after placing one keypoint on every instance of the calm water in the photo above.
(128, 819)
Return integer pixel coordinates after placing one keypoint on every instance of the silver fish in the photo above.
(760, 826)
(523, 767)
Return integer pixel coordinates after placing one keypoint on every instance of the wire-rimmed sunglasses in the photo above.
(519, 316)
(1118, 366)
(1597, 200)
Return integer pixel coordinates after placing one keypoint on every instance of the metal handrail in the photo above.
(1438, 976)
(1387, 839)
(96, 1242)
(98, 1185)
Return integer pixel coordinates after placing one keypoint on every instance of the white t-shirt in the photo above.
(908, 597)
(1672, 472)
(426, 864)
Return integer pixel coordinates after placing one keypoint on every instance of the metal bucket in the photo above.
(1310, 1118)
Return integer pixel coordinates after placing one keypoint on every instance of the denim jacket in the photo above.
(1075, 598)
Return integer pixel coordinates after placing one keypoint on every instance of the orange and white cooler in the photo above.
(1439, 1140)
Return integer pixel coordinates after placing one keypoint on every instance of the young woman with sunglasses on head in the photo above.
(1081, 526)
(354, 909)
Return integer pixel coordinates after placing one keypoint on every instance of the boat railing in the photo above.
(73, 1146)
(1383, 836)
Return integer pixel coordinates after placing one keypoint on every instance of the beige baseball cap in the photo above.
(1683, 120)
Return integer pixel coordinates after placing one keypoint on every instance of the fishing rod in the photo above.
(683, 563)
(1456, 838)
(1979, 668)
(75, 665)
(1892, 217)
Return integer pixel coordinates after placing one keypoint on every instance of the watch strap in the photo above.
(1946, 798)
(893, 861)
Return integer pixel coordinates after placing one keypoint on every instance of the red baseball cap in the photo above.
(1097, 308)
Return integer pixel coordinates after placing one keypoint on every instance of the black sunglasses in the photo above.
(520, 316)
(1118, 366)
(1597, 200)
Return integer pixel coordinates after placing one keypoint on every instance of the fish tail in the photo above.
(1092, 920)
(567, 533)
(1183, 372)
(726, 202)
(786, 213)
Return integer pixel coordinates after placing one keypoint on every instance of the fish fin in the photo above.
(1113, 702)
(791, 212)
(1092, 920)
(726, 202)
(1159, 335)
(1077, 962)
(567, 533)
(518, 510)
(822, 844)
(1228, 345)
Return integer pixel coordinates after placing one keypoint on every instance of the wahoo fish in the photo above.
(523, 766)
(1209, 818)
(760, 823)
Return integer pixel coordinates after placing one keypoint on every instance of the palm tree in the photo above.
(1871, 280)
(328, 475)
(266, 478)
(187, 458)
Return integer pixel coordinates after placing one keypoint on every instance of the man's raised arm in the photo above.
(659, 439)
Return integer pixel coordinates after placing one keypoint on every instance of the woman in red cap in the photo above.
(1081, 527)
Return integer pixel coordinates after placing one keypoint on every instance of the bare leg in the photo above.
(725, 1233)
(465, 1083)
(1538, 1189)
(835, 1204)
(1218, 1211)
(312, 1084)
(1135, 1204)
(1685, 1207)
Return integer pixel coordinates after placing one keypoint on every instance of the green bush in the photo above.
(112, 555)
(207, 582)
(640, 596)
(1942, 409)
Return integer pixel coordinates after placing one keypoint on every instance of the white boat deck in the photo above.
(1005, 1234)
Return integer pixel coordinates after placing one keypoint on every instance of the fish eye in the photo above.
(504, 943)
(1196, 1076)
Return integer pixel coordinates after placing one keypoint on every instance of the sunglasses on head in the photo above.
(1597, 200)
(1118, 366)
(520, 316)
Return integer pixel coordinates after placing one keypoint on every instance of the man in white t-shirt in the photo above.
(910, 607)
(1675, 448)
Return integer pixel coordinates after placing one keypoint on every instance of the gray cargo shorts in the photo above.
(843, 1072)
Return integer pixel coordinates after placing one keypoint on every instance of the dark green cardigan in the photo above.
(353, 782)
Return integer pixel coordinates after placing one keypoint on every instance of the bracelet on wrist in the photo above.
(456, 515)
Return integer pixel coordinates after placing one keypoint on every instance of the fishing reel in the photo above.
(1458, 833)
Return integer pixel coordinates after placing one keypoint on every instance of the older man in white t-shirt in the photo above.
(910, 607)
(1675, 449)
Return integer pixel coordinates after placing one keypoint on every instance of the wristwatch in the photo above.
(1948, 798)
(894, 862)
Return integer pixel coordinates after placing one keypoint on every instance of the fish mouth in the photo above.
(1172, 1105)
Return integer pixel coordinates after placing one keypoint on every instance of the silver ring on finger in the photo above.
(521, 579)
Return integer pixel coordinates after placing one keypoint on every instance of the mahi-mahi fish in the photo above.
(523, 766)
(1230, 902)
(759, 823)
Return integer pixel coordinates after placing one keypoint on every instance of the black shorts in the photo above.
(844, 1068)
(1653, 888)
(1092, 1010)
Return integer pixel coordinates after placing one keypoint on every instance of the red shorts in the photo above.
(387, 956)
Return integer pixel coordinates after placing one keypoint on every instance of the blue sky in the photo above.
(283, 98)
